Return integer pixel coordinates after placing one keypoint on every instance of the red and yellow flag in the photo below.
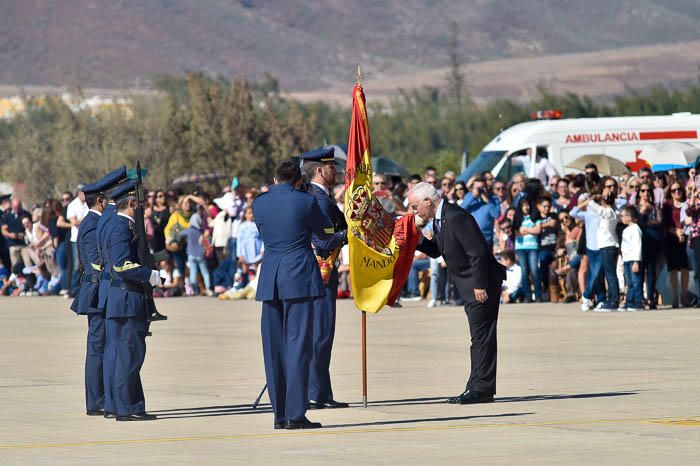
(381, 248)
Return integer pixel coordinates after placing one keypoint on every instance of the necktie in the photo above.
(436, 226)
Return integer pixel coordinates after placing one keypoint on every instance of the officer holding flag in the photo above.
(320, 169)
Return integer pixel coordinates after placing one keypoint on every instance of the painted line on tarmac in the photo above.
(685, 421)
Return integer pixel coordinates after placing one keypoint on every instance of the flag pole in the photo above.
(364, 313)
(364, 359)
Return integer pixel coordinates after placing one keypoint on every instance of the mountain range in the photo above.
(314, 46)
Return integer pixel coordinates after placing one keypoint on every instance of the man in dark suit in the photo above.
(320, 168)
(476, 274)
(288, 283)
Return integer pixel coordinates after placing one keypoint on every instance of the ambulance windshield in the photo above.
(484, 162)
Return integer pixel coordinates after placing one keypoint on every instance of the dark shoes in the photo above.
(330, 404)
(136, 417)
(301, 424)
(96, 412)
(279, 425)
(157, 316)
(110, 415)
(470, 397)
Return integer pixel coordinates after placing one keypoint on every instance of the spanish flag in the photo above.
(381, 248)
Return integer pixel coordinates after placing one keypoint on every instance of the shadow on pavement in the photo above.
(265, 408)
(512, 399)
(415, 421)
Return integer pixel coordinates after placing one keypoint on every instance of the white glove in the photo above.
(155, 278)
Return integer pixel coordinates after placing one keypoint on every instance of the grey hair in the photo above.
(425, 190)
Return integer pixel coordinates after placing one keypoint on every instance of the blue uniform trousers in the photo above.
(94, 362)
(323, 332)
(126, 352)
(287, 327)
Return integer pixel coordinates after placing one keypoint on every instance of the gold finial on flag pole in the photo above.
(359, 76)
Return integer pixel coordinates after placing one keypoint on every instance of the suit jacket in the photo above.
(122, 260)
(286, 218)
(86, 300)
(469, 259)
(330, 209)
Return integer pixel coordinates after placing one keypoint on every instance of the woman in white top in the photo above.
(603, 205)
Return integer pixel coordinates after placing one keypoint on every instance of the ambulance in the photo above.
(563, 141)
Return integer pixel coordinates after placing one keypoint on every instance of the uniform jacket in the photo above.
(286, 219)
(109, 213)
(86, 300)
(122, 260)
(466, 254)
(330, 209)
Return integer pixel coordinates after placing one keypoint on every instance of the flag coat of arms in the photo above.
(381, 248)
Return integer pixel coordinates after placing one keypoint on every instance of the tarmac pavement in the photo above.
(573, 388)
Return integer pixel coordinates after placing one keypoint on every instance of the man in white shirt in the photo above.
(544, 170)
(75, 213)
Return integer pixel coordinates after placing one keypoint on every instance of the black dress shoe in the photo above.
(313, 404)
(137, 417)
(95, 412)
(279, 425)
(110, 415)
(157, 316)
(471, 397)
(301, 424)
(332, 404)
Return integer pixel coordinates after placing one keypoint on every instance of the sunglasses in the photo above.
(676, 190)
(460, 189)
(498, 188)
(644, 190)
(610, 186)
(633, 186)
(160, 195)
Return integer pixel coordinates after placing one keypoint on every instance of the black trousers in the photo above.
(482, 328)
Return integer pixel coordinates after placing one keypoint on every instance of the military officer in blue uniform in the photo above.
(289, 282)
(85, 302)
(320, 169)
(126, 309)
(108, 215)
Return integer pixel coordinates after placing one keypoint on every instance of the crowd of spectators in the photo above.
(598, 239)
(587, 237)
(212, 244)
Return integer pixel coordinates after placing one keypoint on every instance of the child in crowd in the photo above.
(510, 290)
(170, 276)
(631, 248)
(249, 245)
(247, 292)
(195, 255)
(527, 249)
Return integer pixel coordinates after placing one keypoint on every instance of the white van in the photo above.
(564, 140)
